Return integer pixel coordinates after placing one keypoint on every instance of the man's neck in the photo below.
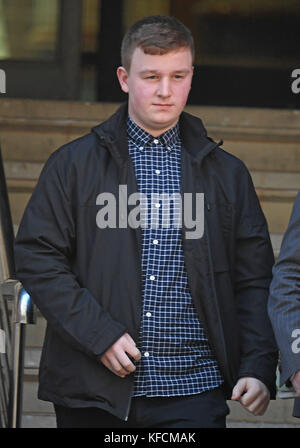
(153, 132)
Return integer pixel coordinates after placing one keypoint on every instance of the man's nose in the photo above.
(164, 88)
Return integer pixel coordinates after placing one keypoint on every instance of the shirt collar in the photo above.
(142, 138)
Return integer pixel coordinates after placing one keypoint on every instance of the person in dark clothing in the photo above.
(156, 314)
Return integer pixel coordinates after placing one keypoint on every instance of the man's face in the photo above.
(158, 88)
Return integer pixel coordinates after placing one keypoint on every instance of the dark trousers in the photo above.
(206, 410)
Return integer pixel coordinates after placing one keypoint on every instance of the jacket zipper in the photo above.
(141, 295)
(141, 291)
(109, 143)
(129, 405)
(208, 206)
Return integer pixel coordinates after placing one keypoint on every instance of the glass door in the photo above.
(40, 48)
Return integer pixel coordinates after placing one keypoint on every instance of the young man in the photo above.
(284, 304)
(150, 325)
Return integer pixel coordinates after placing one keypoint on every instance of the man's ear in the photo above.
(123, 78)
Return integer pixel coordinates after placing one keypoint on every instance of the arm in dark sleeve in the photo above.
(254, 261)
(284, 299)
(44, 247)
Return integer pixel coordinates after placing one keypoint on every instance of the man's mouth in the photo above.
(163, 105)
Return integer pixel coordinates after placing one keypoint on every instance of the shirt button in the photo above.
(146, 354)
(152, 277)
(157, 171)
(155, 241)
(141, 148)
(156, 141)
(148, 314)
(157, 205)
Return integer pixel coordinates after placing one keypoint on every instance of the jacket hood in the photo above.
(192, 131)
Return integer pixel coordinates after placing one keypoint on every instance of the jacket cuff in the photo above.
(287, 372)
(99, 356)
(109, 335)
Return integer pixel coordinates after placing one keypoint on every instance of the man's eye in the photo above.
(151, 77)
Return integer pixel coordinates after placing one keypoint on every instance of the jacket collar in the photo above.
(194, 137)
(192, 132)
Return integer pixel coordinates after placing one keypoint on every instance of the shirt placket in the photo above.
(152, 240)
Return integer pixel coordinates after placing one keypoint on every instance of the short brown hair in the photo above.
(155, 35)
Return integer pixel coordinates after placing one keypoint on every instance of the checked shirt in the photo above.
(176, 358)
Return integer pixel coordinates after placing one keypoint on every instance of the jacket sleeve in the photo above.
(252, 277)
(284, 299)
(44, 248)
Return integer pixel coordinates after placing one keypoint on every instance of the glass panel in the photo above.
(90, 25)
(134, 10)
(248, 33)
(28, 29)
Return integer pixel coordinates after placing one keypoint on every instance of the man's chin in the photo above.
(163, 121)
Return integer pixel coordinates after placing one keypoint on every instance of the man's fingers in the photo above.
(119, 363)
(238, 390)
(260, 410)
(131, 348)
(257, 406)
(134, 353)
(252, 394)
(249, 398)
(114, 366)
(257, 397)
(110, 367)
(117, 358)
(250, 401)
(126, 363)
(120, 367)
(296, 382)
(129, 338)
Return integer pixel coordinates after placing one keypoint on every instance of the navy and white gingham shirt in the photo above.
(176, 358)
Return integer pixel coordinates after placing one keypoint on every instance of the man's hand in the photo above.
(116, 359)
(296, 382)
(252, 394)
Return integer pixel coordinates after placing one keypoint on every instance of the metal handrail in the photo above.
(24, 313)
(15, 319)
